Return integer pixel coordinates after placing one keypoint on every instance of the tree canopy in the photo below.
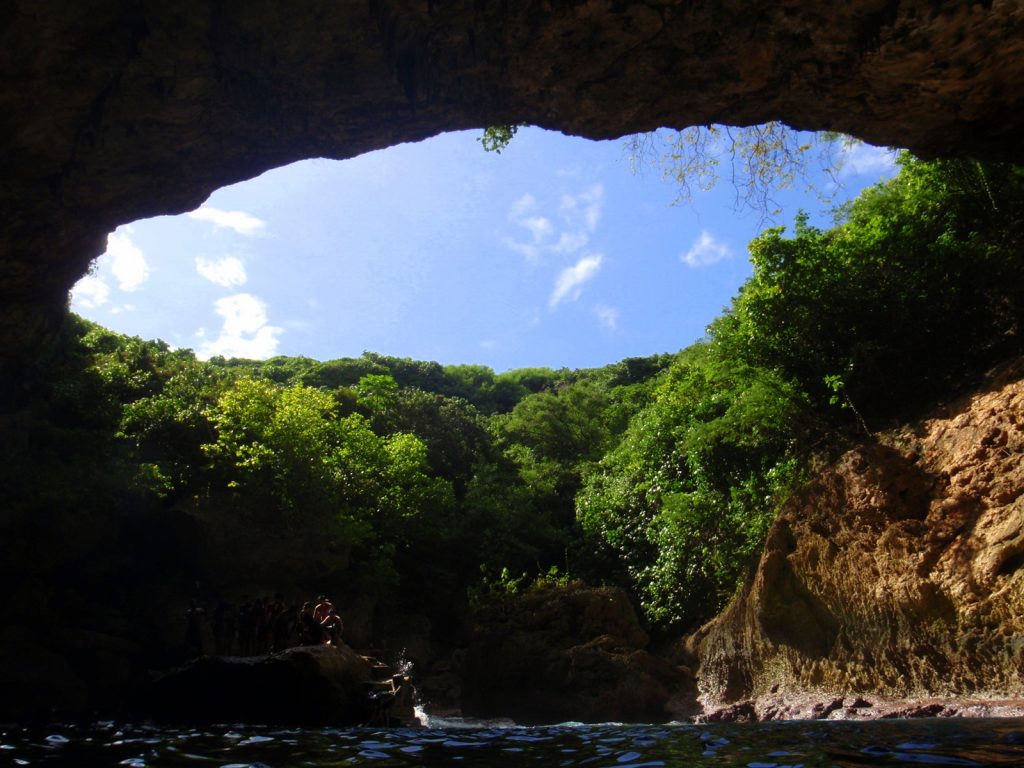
(411, 487)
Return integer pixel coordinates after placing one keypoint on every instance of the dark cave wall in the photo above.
(114, 110)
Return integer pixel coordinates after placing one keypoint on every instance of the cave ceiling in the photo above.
(115, 110)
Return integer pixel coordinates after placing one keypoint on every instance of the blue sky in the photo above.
(553, 253)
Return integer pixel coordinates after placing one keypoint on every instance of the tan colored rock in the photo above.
(897, 571)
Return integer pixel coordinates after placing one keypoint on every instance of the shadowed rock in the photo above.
(566, 654)
(313, 685)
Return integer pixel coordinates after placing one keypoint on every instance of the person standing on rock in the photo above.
(332, 628)
(323, 605)
(309, 627)
(194, 617)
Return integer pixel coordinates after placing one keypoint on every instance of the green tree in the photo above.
(684, 501)
(915, 288)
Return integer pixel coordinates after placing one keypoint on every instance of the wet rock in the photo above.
(741, 712)
(822, 711)
(919, 710)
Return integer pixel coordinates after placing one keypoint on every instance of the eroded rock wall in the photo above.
(114, 110)
(897, 571)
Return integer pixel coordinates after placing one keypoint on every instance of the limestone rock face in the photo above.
(565, 654)
(898, 571)
(114, 110)
(312, 685)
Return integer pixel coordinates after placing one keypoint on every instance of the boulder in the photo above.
(310, 686)
(565, 654)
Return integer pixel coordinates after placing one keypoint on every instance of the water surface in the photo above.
(951, 742)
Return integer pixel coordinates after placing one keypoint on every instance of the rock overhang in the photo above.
(117, 110)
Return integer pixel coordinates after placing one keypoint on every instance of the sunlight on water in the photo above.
(944, 742)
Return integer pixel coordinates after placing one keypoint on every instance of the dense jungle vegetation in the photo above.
(412, 489)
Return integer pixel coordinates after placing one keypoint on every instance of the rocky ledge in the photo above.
(821, 707)
(311, 685)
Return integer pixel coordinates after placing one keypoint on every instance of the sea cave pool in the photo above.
(446, 742)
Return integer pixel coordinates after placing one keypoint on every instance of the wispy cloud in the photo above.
(564, 230)
(245, 332)
(522, 206)
(227, 272)
(586, 207)
(89, 293)
(127, 262)
(240, 221)
(705, 251)
(570, 281)
(867, 160)
(608, 316)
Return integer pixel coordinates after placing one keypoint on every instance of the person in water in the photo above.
(393, 701)
(332, 628)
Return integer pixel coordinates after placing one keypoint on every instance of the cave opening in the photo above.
(559, 252)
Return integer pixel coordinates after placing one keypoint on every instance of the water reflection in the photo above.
(949, 742)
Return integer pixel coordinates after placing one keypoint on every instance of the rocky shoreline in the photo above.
(857, 707)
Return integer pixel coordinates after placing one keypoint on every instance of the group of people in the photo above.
(260, 625)
(320, 624)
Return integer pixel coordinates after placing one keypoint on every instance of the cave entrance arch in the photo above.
(122, 110)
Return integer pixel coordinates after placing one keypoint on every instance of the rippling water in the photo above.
(447, 743)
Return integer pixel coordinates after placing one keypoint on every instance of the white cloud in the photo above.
(706, 251)
(488, 344)
(593, 202)
(89, 293)
(240, 221)
(866, 160)
(245, 332)
(570, 242)
(565, 231)
(608, 316)
(569, 283)
(127, 262)
(522, 206)
(529, 251)
(538, 226)
(227, 272)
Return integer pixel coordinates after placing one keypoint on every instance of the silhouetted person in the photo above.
(194, 629)
(261, 621)
(246, 627)
(309, 627)
(323, 605)
(281, 627)
(393, 701)
(332, 628)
